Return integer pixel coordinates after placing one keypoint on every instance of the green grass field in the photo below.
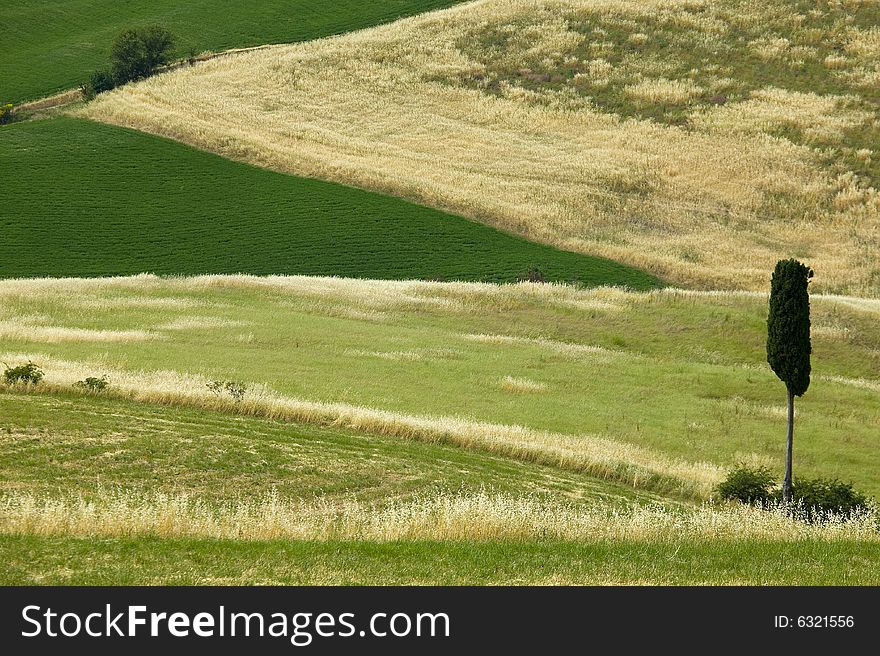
(82, 446)
(86, 447)
(393, 428)
(94, 200)
(680, 374)
(78, 561)
(51, 45)
(91, 484)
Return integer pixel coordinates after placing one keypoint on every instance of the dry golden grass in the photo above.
(821, 118)
(24, 331)
(661, 90)
(519, 385)
(374, 298)
(562, 348)
(344, 296)
(444, 516)
(201, 323)
(414, 355)
(403, 108)
(861, 383)
(596, 456)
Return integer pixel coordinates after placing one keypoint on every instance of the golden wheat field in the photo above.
(699, 139)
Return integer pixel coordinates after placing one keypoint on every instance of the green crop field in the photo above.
(95, 200)
(50, 45)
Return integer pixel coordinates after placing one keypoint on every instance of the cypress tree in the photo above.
(788, 342)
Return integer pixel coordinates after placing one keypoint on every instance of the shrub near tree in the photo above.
(139, 51)
(6, 113)
(751, 485)
(788, 342)
(136, 54)
(101, 81)
(811, 500)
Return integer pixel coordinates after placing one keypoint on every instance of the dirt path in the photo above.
(33, 110)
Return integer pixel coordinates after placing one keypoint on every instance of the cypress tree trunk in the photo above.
(786, 484)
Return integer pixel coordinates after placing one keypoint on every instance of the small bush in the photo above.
(6, 112)
(751, 485)
(534, 274)
(28, 374)
(233, 388)
(99, 82)
(139, 51)
(823, 497)
(92, 384)
(812, 499)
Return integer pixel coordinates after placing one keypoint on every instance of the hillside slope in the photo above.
(92, 447)
(50, 46)
(701, 139)
(418, 432)
(661, 390)
(93, 200)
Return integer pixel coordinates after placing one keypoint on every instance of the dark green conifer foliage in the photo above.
(788, 342)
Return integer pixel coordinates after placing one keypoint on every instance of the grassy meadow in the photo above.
(55, 45)
(83, 190)
(661, 390)
(155, 561)
(419, 432)
(701, 140)
(94, 447)
(299, 271)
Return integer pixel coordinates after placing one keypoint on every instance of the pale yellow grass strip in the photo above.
(371, 294)
(593, 455)
(565, 348)
(201, 323)
(480, 516)
(857, 303)
(414, 355)
(862, 383)
(830, 331)
(522, 385)
(23, 332)
(361, 293)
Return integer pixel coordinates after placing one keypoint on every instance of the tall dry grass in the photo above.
(356, 294)
(443, 516)
(597, 456)
(27, 331)
(400, 109)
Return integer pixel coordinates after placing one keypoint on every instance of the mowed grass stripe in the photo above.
(138, 561)
(92, 448)
(96, 200)
(50, 46)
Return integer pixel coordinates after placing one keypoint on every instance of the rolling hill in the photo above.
(660, 390)
(95, 200)
(277, 295)
(701, 140)
(55, 45)
(416, 432)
